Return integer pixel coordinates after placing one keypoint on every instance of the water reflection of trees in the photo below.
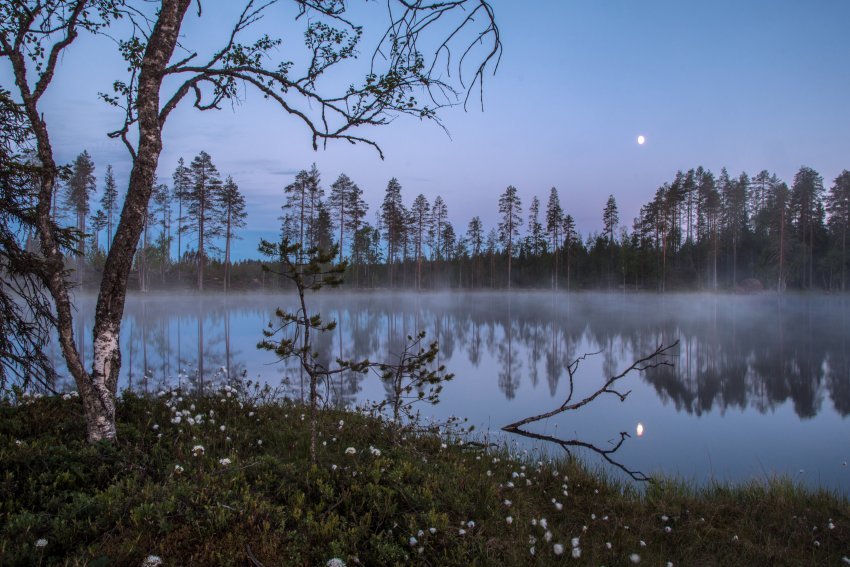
(734, 352)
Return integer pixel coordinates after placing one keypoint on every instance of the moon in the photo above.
(639, 429)
(641, 140)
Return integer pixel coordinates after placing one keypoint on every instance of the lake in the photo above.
(760, 384)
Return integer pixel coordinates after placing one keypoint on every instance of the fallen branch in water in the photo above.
(657, 358)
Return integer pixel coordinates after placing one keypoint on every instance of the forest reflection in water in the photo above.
(755, 356)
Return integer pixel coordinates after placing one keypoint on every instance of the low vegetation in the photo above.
(221, 480)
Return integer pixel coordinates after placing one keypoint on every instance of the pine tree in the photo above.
(392, 218)
(439, 217)
(203, 216)
(554, 221)
(610, 219)
(231, 203)
(475, 238)
(510, 207)
(420, 213)
(838, 207)
(536, 242)
(98, 223)
(570, 236)
(181, 188)
(161, 214)
(344, 203)
(808, 215)
(109, 203)
(80, 186)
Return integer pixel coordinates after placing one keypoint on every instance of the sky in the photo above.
(761, 84)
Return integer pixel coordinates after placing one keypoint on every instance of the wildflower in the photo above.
(531, 551)
(547, 536)
(607, 545)
(178, 469)
(335, 562)
(668, 529)
(509, 520)
(643, 543)
(559, 506)
(18, 442)
(198, 450)
(224, 462)
(350, 451)
(152, 561)
(176, 419)
(374, 451)
(432, 530)
(507, 503)
(222, 428)
(558, 549)
(413, 541)
(461, 532)
(574, 542)
(576, 552)
(41, 542)
(470, 524)
(634, 558)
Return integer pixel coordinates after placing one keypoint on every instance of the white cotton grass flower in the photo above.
(509, 520)
(547, 536)
(222, 428)
(351, 451)
(412, 541)
(198, 450)
(558, 549)
(531, 550)
(574, 542)
(634, 558)
(375, 451)
(576, 552)
(643, 543)
(559, 506)
(507, 503)
(461, 532)
(608, 545)
(41, 542)
(432, 530)
(667, 529)
(152, 561)
(224, 462)
(335, 562)
(178, 469)
(470, 524)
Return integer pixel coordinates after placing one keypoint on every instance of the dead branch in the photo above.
(659, 357)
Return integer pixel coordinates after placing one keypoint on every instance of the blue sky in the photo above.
(761, 84)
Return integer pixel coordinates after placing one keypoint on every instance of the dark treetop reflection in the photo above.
(755, 377)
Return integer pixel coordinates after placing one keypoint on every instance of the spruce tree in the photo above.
(80, 187)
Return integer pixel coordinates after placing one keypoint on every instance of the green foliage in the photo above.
(117, 504)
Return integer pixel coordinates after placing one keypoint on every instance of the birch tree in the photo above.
(34, 34)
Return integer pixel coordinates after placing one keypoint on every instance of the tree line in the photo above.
(699, 231)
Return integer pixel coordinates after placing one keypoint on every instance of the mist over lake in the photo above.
(760, 384)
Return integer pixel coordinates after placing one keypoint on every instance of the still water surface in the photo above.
(761, 384)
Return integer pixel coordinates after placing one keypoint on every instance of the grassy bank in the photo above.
(230, 484)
